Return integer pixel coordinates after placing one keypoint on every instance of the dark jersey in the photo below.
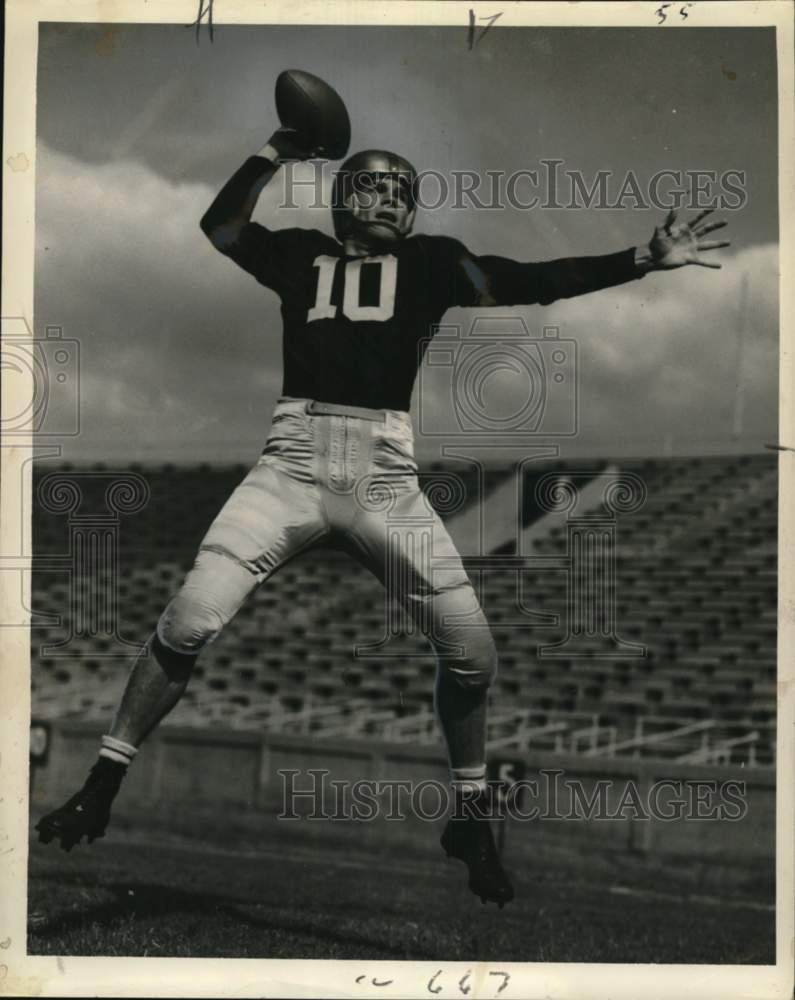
(355, 328)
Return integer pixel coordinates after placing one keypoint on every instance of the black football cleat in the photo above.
(470, 840)
(86, 813)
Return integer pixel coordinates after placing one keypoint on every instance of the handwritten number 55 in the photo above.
(660, 12)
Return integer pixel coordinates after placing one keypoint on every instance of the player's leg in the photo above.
(211, 595)
(269, 519)
(463, 677)
(273, 515)
(409, 549)
(213, 591)
(411, 552)
(157, 681)
(467, 664)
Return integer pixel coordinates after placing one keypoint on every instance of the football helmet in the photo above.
(374, 196)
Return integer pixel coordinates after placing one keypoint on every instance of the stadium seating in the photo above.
(695, 590)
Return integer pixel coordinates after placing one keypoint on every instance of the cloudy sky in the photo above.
(138, 127)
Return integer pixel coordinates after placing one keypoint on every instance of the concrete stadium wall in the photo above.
(183, 771)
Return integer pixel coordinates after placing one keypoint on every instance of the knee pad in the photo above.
(476, 668)
(189, 623)
(176, 666)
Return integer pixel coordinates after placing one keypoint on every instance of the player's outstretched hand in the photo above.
(676, 245)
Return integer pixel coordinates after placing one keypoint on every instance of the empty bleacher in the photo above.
(695, 591)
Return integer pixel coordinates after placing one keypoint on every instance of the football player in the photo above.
(357, 311)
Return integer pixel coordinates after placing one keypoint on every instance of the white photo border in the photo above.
(24, 975)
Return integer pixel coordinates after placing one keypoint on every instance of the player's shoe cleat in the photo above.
(86, 813)
(470, 840)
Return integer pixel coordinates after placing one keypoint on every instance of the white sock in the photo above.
(117, 750)
(468, 780)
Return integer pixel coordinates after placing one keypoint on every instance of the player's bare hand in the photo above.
(675, 245)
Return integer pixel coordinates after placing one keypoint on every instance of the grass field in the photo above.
(154, 892)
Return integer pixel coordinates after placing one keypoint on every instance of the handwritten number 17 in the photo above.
(475, 41)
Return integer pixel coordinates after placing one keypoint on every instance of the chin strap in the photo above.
(360, 232)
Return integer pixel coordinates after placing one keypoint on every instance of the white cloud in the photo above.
(174, 339)
(660, 358)
(181, 351)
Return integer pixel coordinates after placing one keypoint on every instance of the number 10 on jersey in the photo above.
(326, 266)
